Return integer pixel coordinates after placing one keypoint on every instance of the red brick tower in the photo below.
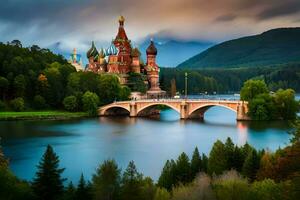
(124, 48)
(153, 73)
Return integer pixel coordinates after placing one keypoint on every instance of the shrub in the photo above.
(70, 103)
(90, 103)
(17, 104)
(39, 102)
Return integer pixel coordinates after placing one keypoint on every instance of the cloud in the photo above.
(75, 23)
(225, 18)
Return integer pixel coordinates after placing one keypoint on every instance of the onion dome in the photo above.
(151, 50)
(135, 52)
(112, 50)
(102, 53)
(92, 52)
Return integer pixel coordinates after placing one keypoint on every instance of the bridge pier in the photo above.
(183, 110)
(133, 109)
(241, 114)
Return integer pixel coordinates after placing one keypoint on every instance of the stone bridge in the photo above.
(187, 108)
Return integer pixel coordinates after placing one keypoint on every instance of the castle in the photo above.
(121, 59)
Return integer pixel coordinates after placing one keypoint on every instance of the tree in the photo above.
(3, 160)
(217, 161)
(148, 189)
(70, 193)
(48, 183)
(19, 85)
(131, 183)
(17, 104)
(230, 186)
(90, 102)
(39, 102)
(109, 88)
(252, 88)
(265, 190)
(195, 163)
(162, 194)
(136, 82)
(286, 104)
(70, 103)
(106, 181)
(83, 191)
(251, 165)
(183, 169)
(230, 156)
(204, 163)
(3, 87)
(166, 179)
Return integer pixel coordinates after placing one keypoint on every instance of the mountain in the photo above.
(173, 52)
(276, 46)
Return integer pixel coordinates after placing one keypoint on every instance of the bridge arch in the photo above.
(152, 105)
(114, 110)
(199, 111)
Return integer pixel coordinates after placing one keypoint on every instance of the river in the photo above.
(84, 143)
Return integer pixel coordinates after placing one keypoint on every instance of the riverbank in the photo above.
(41, 115)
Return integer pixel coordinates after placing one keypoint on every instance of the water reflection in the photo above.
(83, 144)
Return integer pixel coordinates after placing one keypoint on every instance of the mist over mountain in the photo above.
(171, 52)
(276, 46)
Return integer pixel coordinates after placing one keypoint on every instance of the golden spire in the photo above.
(121, 18)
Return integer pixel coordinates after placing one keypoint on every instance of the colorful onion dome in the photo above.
(135, 52)
(151, 50)
(92, 52)
(102, 53)
(112, 50)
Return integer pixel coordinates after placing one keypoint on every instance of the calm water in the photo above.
(83, 144)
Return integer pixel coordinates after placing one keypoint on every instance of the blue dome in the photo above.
(112, 50)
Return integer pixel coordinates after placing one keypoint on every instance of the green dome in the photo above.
(92, 52)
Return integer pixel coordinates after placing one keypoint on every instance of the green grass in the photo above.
(41, 115)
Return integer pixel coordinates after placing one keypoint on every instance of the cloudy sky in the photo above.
(75, 23)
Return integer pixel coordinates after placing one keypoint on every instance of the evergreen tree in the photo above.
(183, 169)
(131, 183)
(106, 181)
(229, 150)
(217, 161)
(48, 183)
(204, 163)
(83, 192)
(70, 193)
(166, 179)
(251, 165)
(195, 163)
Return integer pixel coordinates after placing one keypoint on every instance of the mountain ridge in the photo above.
(276, 46)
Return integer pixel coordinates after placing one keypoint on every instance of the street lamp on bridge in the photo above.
(186, 80)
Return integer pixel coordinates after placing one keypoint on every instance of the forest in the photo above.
(228, 172)
(229, 80)
(36, 79)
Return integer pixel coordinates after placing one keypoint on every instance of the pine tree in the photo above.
(106, 181)
(48, 183)
(195, 163)
(204, 163)
(82, 192)
(229, 150)
(251, 165)
(131, 183)
(183, 169)
(166, 179)
(70, 192)
(217, 161)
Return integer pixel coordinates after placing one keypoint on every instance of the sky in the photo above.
(75, 23)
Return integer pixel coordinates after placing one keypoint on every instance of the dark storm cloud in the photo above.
(77, 22)
(282, 8)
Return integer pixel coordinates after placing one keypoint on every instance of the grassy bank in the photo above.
(36, 115)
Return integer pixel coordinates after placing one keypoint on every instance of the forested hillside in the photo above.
(277, 46)
(231, 79)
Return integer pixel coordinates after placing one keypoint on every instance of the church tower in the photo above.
(153, 73)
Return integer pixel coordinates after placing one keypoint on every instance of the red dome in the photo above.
(151, 50)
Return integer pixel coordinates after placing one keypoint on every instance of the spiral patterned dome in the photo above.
(112, 50)
(92, 52)
(102, 53)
